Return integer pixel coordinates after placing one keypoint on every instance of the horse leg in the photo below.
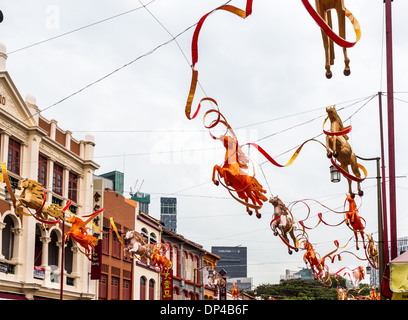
(258, 215)
(345, 168)
(285, 236)
(322, 12)
(328, 146)
(292, 235)
(275, 232)
(362, 237)
(355, 235)
(356, 171)
(215, 169)
(341, 14)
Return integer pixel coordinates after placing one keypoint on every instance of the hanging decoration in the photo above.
(316, 266)
(235, 292)
(138, 248)
(322, 16)
(284, 223)
(339, 148)
(79, 231)
(354, 275)
(233, 173)
(194, 50)
(32, 197)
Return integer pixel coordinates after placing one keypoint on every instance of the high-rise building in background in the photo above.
(118, 180)
(233, 260)
(143, 199)
(168, 213)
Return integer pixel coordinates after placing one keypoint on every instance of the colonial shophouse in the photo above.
(124, 278)
(187, 260)
(36, 148)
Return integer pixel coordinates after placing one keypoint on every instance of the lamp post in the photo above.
(335, 178)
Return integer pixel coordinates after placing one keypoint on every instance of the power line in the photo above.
(78, 29)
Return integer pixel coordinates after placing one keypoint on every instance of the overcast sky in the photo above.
(266, 73)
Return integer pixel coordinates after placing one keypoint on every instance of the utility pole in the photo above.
(391, 141)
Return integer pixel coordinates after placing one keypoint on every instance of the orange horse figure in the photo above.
(310, 257)
(79, 233)
(235, 292)
(354, 221)
(161, 261)
(318, 269)
(234, 176)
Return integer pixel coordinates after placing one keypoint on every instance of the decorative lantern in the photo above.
(335, 174)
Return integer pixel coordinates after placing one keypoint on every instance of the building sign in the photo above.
(2, 100)
(39, 273)
(96, 262)
(97, 205)
(167, 284)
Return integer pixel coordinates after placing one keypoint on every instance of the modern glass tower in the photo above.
(168, 213)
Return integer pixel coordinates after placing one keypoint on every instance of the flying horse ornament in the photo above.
(337, 146)
(354, 221)
(283, 222)
(236, 179)
(322, 16)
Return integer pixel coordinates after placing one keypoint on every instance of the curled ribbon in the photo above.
(326, 28)
(194, 50)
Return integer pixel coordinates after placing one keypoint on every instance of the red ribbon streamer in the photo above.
(326, 28)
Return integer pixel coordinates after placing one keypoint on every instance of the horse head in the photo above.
(23, 184)
(129, 235)
(274, 200)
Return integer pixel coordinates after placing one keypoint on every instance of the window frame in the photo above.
(13, 159)
(57, 176)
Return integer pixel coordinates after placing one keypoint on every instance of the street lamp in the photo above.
(335, 175)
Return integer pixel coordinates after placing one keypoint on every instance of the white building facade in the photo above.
(36, 148)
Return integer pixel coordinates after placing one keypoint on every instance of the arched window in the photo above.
(175, 261)
(68, 256)
(38, 246)
(142, 288)
(196, 269)
(145, 235)
(176, 293)
(53, 255)
(151, 289)
(53, 250)
(153, 239)
(8, 239)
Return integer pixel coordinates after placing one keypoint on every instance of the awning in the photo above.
(399, 277)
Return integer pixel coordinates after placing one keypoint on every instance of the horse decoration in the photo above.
(372, 251)
(322, 16)
(342, 293)
(337, 146)
(284, 223)
(236, 179)
(374, 295)
(136, 246)
(235, 292)
(33, 196)
(79, 233)
(355, 275)
(159, 260)
(354, 221)
(317, 268)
